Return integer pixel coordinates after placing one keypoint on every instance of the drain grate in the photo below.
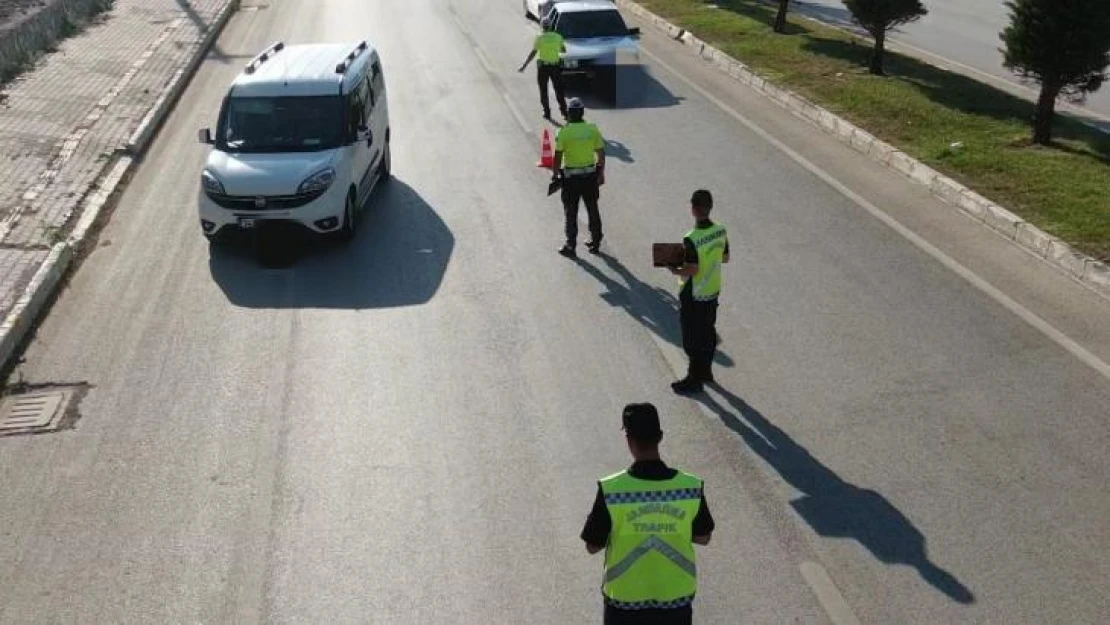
(37, 411)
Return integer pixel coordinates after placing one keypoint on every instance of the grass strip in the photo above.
(923, 110)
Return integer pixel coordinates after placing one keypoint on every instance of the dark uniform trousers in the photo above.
(586, 189)
(554, 74)
(670, 616)
(699, 332)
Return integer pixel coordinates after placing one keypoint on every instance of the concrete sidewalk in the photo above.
(79, 114)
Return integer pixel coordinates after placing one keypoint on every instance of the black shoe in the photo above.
(568, 251)
(594, 247)
(687, 386)
(547, 115)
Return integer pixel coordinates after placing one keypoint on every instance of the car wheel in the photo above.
(347, 228)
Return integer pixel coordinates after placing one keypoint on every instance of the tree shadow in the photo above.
(831, 506)
(194, 17)
(217, 54)
(963, 94)
(397, 258)
(762, 12)
(202, 27)
(653, 307)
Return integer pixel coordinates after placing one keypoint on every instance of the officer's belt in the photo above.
(580, 171)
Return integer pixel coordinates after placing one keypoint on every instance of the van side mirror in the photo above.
(205, 136)
(634, 31)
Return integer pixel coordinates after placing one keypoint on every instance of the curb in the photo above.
(1092, 273)
(152, 121)
(29, 307)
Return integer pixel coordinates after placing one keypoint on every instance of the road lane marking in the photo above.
(503, 91)
(1025, 314)
(483, 60)
(828, 594)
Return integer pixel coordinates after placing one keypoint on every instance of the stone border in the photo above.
(23, 40)
(30, 306)
(1090, 272)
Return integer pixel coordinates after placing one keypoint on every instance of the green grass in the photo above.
(920, 109)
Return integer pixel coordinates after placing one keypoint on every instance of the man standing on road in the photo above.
(706, 249)
(548, 47)
(580, 163)
(647, 520)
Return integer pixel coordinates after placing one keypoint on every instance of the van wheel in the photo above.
(347, 229)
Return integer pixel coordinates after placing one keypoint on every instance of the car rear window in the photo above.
(587, 24)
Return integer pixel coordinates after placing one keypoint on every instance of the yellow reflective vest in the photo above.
(650, 560)
(711, 243)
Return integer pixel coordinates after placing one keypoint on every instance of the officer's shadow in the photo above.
(655, 308)
(831, 506)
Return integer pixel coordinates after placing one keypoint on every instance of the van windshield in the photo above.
(282, 124)
(586, 24)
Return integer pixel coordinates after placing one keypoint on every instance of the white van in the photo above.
(303, 136)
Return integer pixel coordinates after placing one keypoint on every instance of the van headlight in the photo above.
(317, 182)
(211, 183)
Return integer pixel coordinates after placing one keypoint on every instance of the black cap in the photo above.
(641, 422)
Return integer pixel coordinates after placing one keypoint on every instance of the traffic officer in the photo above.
(580, 164)
(648, 509)
(548, 46)
(706, 249)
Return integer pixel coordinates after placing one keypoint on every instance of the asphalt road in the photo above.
(409, 430)
(965, 32)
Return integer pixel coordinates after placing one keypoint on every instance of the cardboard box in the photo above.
(668, 254)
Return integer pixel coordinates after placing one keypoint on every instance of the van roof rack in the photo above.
(257, 61)
(345, 64)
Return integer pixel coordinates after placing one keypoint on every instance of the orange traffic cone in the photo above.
(547, 156)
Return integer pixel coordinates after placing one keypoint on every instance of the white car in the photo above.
(597, 39)
(303, 136)
(537, 9)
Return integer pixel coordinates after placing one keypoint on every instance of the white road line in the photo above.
(1025, 314)
(828, 594)
(483, 59)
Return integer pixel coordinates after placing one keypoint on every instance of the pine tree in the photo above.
(878, 17)
(1062, 44)
(780, 19)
